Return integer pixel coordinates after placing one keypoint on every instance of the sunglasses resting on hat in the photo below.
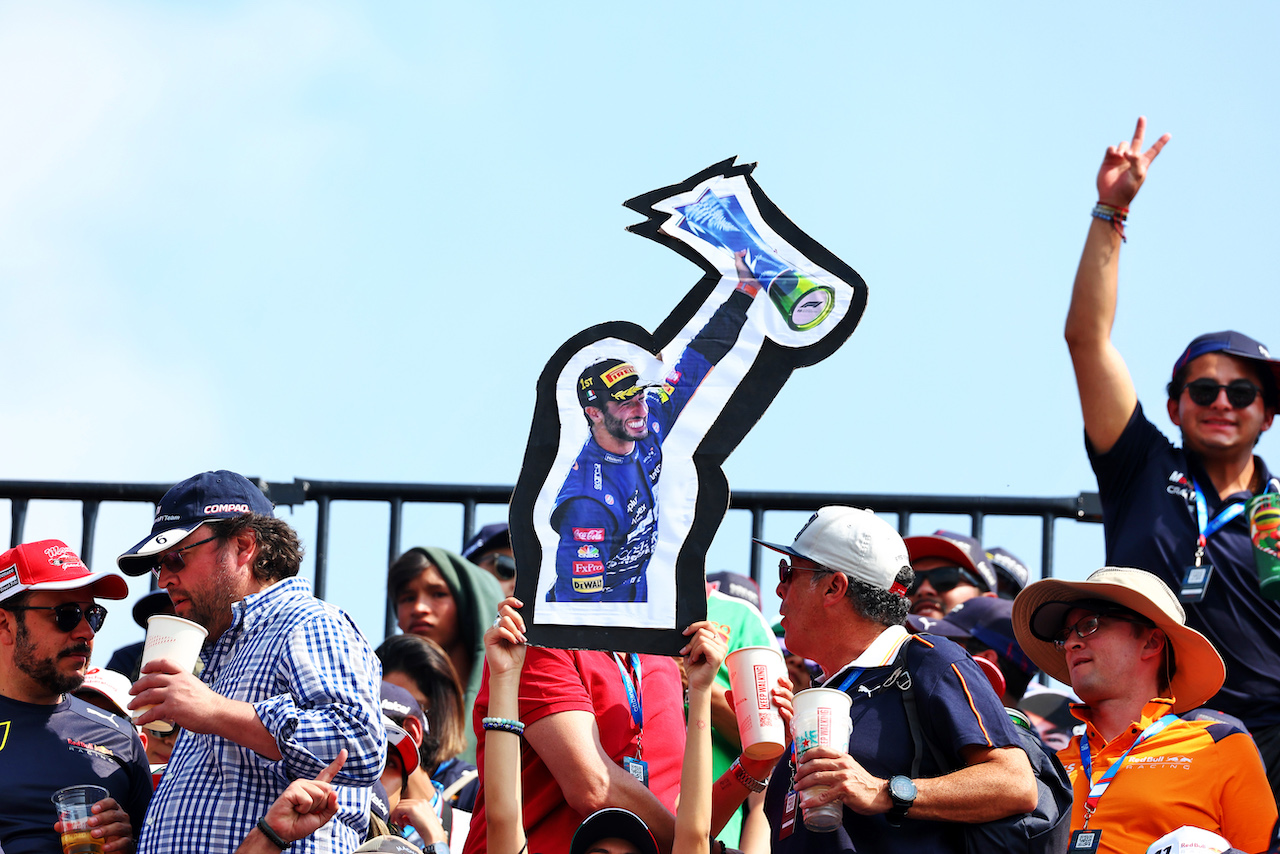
(944, 579)
(68, 615)
(1204, 391)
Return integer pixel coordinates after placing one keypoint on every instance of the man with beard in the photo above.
(607, 513)
(50, 739)
(288, 680)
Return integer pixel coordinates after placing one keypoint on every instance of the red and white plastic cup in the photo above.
(753, 674)
(821, 720)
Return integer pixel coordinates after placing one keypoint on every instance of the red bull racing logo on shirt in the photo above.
(89, 749)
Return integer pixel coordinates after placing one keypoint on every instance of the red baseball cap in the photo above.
(52, 565)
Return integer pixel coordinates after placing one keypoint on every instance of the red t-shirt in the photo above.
(557, 680)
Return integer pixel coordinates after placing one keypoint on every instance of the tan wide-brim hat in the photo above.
(1039, 611)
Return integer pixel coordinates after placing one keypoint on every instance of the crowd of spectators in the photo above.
(292, 732)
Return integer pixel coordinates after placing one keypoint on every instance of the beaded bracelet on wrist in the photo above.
(748, 782)
(1115, 216)
(503, 725)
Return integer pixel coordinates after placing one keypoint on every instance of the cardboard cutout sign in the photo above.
(621, 491)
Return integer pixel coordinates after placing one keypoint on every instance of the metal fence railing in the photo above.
(1084, 507)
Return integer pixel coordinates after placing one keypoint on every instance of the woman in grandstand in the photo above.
(421, 667)
(441, 596)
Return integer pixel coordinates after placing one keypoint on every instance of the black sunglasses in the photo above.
(164, 733)
(68, 615)
(1204, 391)
(504, 566)
(786, 570)
(943, 579)
(174, 561)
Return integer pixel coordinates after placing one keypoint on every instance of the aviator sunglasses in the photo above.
(943, 579)
(786, 570)
(68, 615)
(174, 561)
(1204, 391)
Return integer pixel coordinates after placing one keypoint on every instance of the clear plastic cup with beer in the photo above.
(75, 807)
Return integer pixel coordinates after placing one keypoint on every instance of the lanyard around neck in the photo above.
(634, 698)
(1097, 789)
(1208, 527)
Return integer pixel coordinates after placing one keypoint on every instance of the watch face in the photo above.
(902, 789)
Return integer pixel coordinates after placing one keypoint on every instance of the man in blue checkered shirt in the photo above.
(288, 680)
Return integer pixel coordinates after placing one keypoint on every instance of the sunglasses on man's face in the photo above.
(174, 561)
(503, 566)
(68, 615)
(943, 579)
(1204, 391)
(1087, 626)
(787, 570)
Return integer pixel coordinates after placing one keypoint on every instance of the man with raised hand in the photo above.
(288, 680)
(1177, 512)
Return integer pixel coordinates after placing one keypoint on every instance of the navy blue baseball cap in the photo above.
(188, 505)
(1233, 344)
(379, 803)
(398, 704)
(918, 625)
(989, 621)
(491, 536)
(738, 586)
(1009, 567)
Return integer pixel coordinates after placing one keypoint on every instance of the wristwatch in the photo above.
(436, 848)
(903, 794)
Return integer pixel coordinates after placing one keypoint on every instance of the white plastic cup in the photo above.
(173, 638)
(821, 720)
(753, 673)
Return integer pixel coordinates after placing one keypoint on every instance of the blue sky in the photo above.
(339, 240)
